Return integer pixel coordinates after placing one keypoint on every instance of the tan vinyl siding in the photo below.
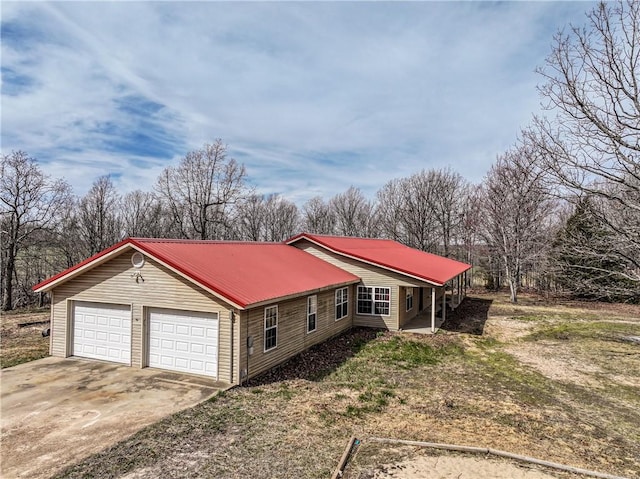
(292, 336)
(371, 276)
(112, 282)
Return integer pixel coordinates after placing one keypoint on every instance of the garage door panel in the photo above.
(184, 341)
(182, 363)
(210, 350)
(183, 329)
(102, 331)
(168, 327)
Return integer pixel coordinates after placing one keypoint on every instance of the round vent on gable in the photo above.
(137, 260)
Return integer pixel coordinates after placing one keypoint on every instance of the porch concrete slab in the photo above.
(421, 324)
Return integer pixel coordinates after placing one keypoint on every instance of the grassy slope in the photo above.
(22, 344)
(452, 387)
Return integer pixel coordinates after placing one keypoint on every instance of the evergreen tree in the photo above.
(588, 264)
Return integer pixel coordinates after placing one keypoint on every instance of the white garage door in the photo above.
(102, 331)
(184, 341)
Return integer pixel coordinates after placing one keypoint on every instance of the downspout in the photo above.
(51, 324)
(231, 318)
(246, 348)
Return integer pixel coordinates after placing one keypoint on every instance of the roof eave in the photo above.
(115, 250)
(358, 258)
(83, 266)
(267, 301)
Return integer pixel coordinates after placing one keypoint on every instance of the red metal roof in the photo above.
(390, 255)
(243, 273)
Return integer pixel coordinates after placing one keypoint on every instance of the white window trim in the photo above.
(407, 299)
(373, 300)
(315, 312)
(264, 342)
(346, 301)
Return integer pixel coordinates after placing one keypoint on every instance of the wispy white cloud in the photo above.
(312, 97)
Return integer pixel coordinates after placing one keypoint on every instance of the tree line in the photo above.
(558, 211)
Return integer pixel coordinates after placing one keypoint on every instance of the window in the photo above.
(365, 300)
(270, 328)
(342, 303)
(409, 299)
(312, 313)
(374, 300)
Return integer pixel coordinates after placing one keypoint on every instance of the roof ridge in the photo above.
(368, 238)
(199, 241)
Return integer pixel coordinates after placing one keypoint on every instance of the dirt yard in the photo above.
(554, 380)
(21, 337)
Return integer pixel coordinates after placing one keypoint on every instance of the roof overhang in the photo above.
(116, 250)
(302, 293)
(86, 265)
(303, 236)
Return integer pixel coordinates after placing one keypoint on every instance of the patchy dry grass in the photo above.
(22, 344)
(564, 387)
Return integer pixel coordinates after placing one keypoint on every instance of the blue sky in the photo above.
(312, 97)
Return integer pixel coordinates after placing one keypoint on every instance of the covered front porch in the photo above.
(433, 313)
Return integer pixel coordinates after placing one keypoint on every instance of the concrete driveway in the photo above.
(57, 411)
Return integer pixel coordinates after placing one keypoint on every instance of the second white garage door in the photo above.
(183, 341)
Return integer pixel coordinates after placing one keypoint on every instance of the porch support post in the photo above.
(459, 289)
(444, 302)
(433, 309)
(454, 293)
(464, 291)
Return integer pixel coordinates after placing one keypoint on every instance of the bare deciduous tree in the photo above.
(281, 218)
(98, 222)
(425, 210)
(592, 143)
(516, 210)
(249, 219)
(354, 214)
(447, 203)
(66, 237)
(468, 232)
(391, 205)
(270, 218)
(141, 215)
(201, 189)
(30, 204)
(418, 214)
(318, 217)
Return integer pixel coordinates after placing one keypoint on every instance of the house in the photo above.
(232, 310)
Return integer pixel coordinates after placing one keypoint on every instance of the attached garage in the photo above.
(183, 341)
(102, 331)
